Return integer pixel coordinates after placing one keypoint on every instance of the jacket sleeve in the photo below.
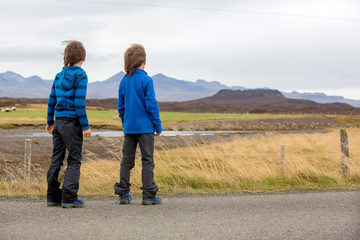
(152, 106)
(80, 100)
(121, 107)
(51, 106)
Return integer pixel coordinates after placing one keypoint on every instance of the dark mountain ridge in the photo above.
(260, 97)
(257, 101)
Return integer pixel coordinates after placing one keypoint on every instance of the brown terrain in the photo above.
(95, 147)
(261, 101)
(225, 101)
(263, 124)
(12, 142)
(252, 101)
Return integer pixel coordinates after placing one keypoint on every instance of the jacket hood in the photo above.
(67, 77)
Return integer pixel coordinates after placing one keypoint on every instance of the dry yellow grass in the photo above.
(312, 161)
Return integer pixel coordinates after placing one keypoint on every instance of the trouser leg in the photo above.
(72, 136)
(127, 163)
(146, 142)
(54, 192)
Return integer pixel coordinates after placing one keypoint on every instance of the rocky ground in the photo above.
(272, 124)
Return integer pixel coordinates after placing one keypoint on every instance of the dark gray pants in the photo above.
(67, 134)
(146, 142)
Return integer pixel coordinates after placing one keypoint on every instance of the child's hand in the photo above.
(87, 133)
(49, 128)
(157, 134)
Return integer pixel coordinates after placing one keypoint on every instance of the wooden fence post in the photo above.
(27, 159)
(344, 153)
(282, 159)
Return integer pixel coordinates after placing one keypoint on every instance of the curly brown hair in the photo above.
(74, 52)
(134, 57)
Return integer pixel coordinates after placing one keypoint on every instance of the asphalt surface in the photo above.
(309, 215)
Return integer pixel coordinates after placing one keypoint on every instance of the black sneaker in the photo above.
(77, 204)
(124, 199)
(151, 201)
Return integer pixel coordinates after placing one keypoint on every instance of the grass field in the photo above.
(350, 120)
(245, 164)
(37, 115)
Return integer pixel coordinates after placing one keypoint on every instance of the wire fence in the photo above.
(37, 152)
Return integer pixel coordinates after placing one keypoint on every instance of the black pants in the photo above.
(67, 134)
(146, 142)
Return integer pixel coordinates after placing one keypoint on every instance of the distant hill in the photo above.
(254, 97)
(167, 89)
(171, 89)
(249, 97)
(321, 98)
(105, 89)
(14, 85)
(256, 101)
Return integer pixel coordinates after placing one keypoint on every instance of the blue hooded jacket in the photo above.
(68, 96)
(137, 105)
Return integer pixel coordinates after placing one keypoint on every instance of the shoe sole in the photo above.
(71, 205)
(149, 202)
(53, 204)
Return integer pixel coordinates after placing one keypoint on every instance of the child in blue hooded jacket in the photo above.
(67, 104)
(139, 113)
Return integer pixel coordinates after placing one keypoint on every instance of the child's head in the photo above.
(74, 52)
(134, 57)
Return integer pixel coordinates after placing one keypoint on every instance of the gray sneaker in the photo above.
(124, 199)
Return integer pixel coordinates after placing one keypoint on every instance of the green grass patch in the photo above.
(24, 113)
(111, 116)
(177, 183)
(7, 126)
(353, 121)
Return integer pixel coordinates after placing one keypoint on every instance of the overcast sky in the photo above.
(302, 45)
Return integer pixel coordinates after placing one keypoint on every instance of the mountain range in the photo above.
(167, 89)
(257, 101)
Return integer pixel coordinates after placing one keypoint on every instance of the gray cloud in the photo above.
(234, 42)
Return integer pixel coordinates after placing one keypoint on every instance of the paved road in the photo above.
(311, 215)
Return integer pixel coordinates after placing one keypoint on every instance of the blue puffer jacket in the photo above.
(137, 105)
(68, 96)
